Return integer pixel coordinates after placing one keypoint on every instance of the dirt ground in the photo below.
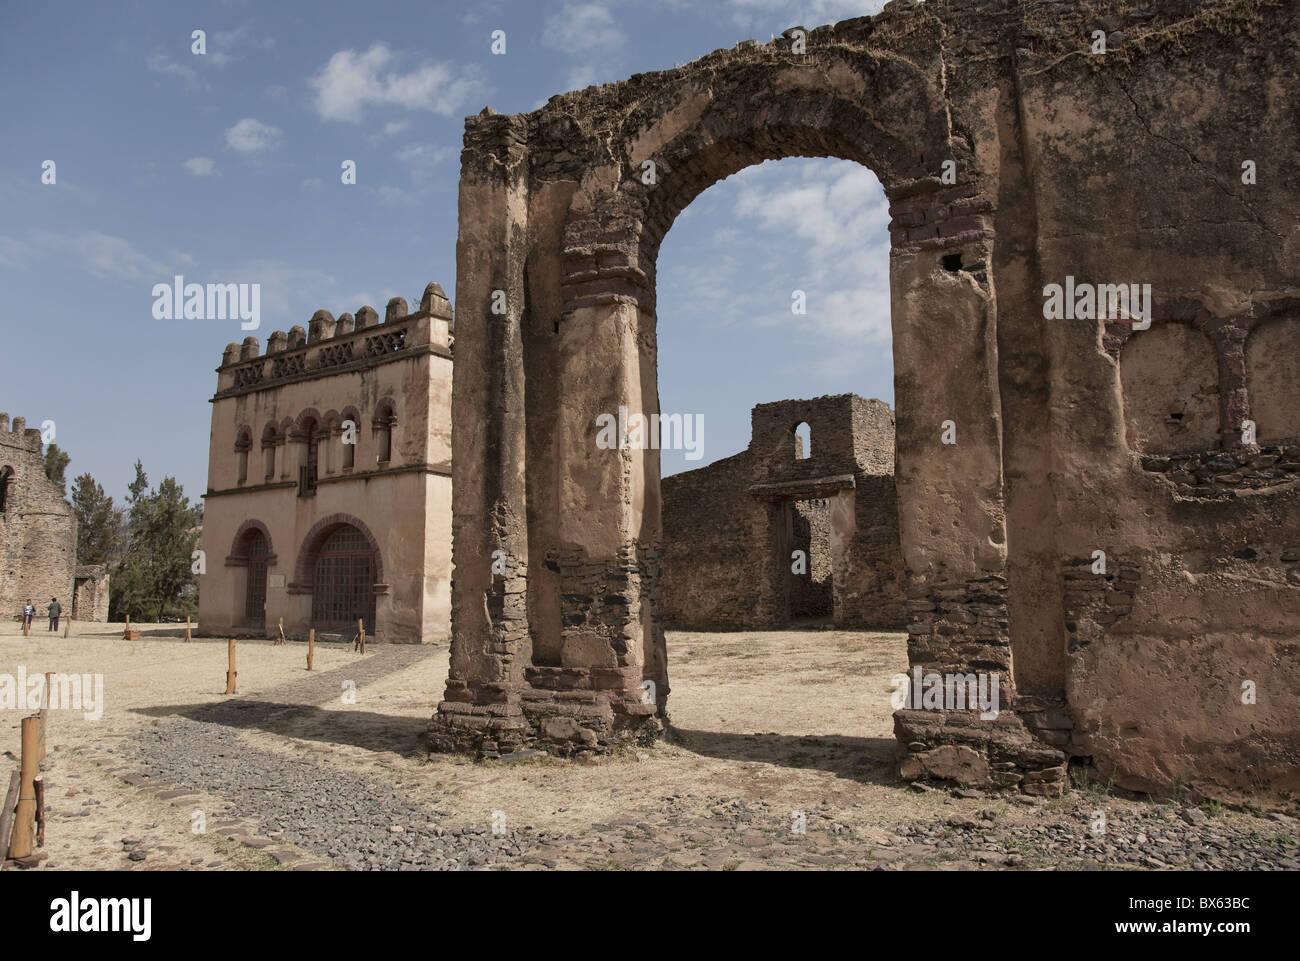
(780, 755)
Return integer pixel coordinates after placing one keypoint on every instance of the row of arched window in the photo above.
(1173, 391)
(320, 443)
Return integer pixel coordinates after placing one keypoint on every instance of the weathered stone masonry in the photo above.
(1124, 167)
(38, 529)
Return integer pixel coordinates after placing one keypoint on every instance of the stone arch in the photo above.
(1273, 378)
(6, 488)
(308, 417)
(311, 544)
(802, 440)
(238, 556)
(557, 214)
(1170, 380)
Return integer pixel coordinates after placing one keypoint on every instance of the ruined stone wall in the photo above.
(712, 544)
(392, 377)
(90, 600)
(1015, 155)
(730, 529)
(38, 529)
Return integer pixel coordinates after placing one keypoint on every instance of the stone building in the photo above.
(1030, 446)
(90, 592)
(38, 529)
(732, 529)
(329, 478)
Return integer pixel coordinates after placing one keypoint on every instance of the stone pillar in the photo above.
(489, 646)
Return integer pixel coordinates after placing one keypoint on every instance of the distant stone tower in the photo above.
(329, 478)
(38, 529)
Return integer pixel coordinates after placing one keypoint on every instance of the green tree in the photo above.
(99, 523)
(56, 463)
(162, 529)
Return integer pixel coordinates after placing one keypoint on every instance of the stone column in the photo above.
(489, 645)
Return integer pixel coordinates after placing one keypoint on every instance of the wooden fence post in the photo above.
(230, 672)
(280, 628)
(7, 812)
(187, 628)
(311, 646)
(43, 714)
(67, 625)
(361, 634)
(23, 841)
(126, 634)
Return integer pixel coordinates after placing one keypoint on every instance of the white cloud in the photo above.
(393, 128)
(10, 251)
(200, 166)
(289, 294)
(102, 255)
(161, 63)
(778, 15)
(225, 46)
(579, 27)
(817, 226)
(422, 159)
(250, 136)
(350, 81)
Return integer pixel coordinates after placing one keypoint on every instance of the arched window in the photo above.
(802, 441)
(6, 481)
(243, 443)
(384, 423)
(310, 459)
(1171, 390)
(269, 441)
(349, 438)
(1273, 378)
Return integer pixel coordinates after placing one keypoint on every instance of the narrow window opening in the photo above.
(802, 441)
(951, 262)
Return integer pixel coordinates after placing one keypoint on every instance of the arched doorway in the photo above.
(258, 553)
(343, 580)
(558, 537)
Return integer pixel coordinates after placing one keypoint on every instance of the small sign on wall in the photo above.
(275, 580)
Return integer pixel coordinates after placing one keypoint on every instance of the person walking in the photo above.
(28, 613)
(55, 610)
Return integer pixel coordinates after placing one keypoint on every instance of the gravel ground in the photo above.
(359, 822)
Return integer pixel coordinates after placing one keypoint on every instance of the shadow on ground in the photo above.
(866, 759)
(364, 729)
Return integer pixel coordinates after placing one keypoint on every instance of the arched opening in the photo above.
(343, 580)
(575, 523)
(243, 444)
(310, 435)
(253, 552)
(6, 482)
(349, 438)
(1171, 390)
(772, 323)
(383, 425)
(802, 441)
(258, 550)
(1273, 379)
(270, 440)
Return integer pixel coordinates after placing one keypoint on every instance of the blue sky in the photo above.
(225, 168)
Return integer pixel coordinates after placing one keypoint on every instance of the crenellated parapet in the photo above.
(351, 341)
(19, 435)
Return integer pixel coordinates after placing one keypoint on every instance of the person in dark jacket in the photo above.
(54, 610)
